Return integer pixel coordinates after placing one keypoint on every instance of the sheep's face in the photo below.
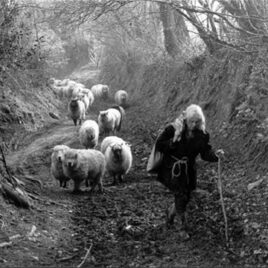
(117, 151)
(59, 151)
(60, 156)
(74, 103)
(105, 91)
(90, 135)
(103, 116)
(51, 81)
(70, 160)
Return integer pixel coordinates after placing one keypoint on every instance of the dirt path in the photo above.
(124, 227)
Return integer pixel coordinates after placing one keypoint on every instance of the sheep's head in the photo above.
(90, 134)
(51, 81)
(74, 102)
(105, 91)
(60, 156)
(103, 115)
(71, 159)
(59, 152)
(117, 151)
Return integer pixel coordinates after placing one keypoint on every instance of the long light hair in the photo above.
(194, 110)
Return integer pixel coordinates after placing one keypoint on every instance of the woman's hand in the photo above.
(178, 124)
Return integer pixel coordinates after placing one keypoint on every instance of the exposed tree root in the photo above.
(9, 186)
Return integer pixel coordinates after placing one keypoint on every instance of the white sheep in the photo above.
(87, 92)
(118, 157)
(121, 98)
(76, 92)
(90, 97)
(72, 88)
(100, 91)
(84, 98)
(56, 168)
(84, 90)
(84, 165)
(57, 82)
(58, 89)
(89, 134)
(110, 120)
(77, 110)
(62, 91)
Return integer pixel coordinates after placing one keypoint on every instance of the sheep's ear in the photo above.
(128, 144)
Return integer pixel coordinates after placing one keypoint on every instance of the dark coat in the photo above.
(186, 147)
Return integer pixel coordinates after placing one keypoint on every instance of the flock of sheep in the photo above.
(89, 165)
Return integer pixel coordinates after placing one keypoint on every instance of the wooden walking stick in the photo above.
(222, 202)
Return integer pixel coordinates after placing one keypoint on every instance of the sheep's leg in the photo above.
(115, 180)
(64, 184)
(120, 178)
(100, 186)
(61, 183)
(97, 181)
(93, 186)
(75, 122)
(76, 186)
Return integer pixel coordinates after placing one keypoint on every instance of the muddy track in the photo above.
(124, 227)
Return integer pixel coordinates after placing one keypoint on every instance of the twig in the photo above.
(66, 258)
(5, 244)
(30, 178)
(3, 224)
(86, 256)
(222, 201)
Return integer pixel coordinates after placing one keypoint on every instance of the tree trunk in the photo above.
(166, 16)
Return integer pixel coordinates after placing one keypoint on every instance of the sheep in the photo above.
(75, 92)
(84, 165)
(100, 91)
(57, 90)
(85, 99)
(110, 120)
(118, 157)
(89, 134)
(84, 90)
(88, 93)
(121, 98)
(72, 88)
(90, 97)
(77, 110)
(57, 82)
(56, 168)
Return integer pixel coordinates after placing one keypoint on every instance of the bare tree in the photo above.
(174, 28)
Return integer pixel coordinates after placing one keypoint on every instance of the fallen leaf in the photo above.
(254, 184)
